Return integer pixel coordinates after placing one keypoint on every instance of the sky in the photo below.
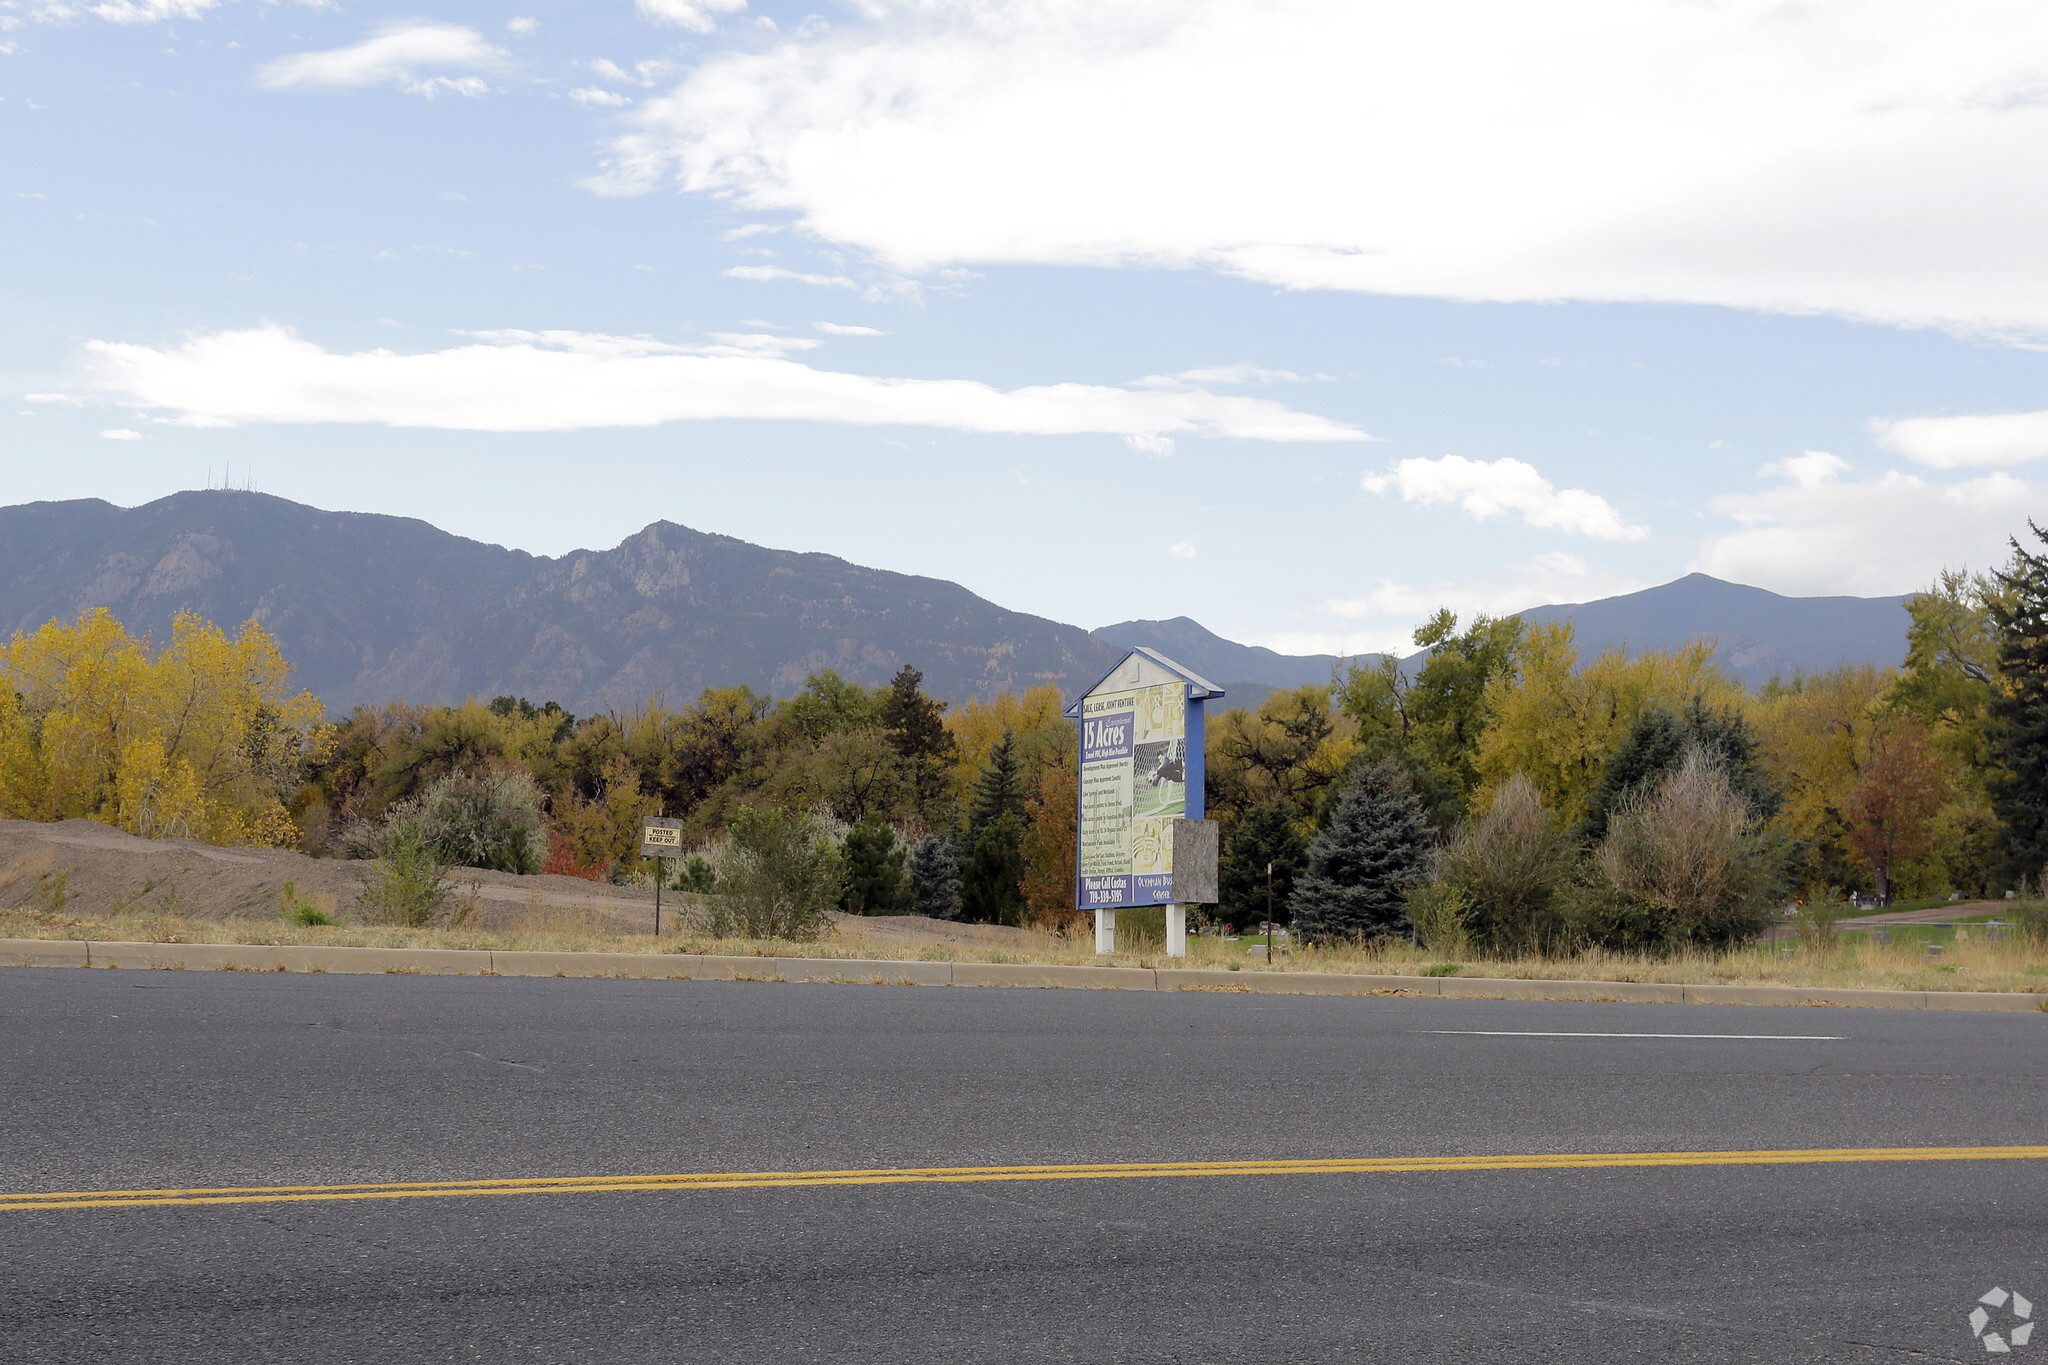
(1300, 317)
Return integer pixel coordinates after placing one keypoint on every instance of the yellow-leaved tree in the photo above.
(1555, 722)
(200, 738)
(1042, 734)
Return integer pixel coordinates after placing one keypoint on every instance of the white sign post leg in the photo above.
(1176, 931)
(1105, 931)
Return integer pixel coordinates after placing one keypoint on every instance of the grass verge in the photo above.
(2010, 962)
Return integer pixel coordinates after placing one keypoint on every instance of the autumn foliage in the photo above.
(1630, 798)
(200, 737)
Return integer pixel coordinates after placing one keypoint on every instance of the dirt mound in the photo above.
(82, 866)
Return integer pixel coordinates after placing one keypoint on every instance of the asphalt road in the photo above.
(133, 1080)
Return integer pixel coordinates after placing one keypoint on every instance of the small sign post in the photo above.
(660, 840)
(1141, 838)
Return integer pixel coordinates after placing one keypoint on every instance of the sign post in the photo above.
(660, 840)
(1141, 838)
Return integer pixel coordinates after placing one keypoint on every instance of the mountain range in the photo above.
(1759, 635)
(374, 608)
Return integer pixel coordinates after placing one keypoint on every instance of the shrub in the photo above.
(562, 859)
(1441, 917)
(782, 873)
(492, 821)
(1818, 919)
(1364, 860)
(935, 878)
(1658, 743)
(410, 886)
(1686, 862)
(1510, 864)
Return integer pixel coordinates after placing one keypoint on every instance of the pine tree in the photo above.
(998, 789)
(935, 878)
(1266, 834)
(992, 891)
(2019, 709)
(1370, 852)
(1657, 743)
(697, 876)
(916, 729)
(876, 881)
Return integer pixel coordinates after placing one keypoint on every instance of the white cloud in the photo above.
(396, 55)
(1840, 156)
(121, 434)
(607, 99)
(1810, 469)
(566, 381)
(847, 329)
(150, 11)
(1150, 443)
(1382, 619)
(113, 11)
(770, 273)
(698, 16)
(643, 73)
(1819, 532)
(1228, 375)
(721, 343)
(1182, 549)
(1989, 441)
(522, 25)
(1489, 489)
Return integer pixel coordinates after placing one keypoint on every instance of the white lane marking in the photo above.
(1759, 1037)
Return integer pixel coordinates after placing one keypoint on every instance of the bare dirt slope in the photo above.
(93, 868)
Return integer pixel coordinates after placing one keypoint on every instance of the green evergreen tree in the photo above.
(998, 789)
(935, 878)
(1657, 743)
(992, 890)
(2019, 709)
(696, 876)
(916, 729)
(1266, 834)
(1368, 854)
(877, 882)
(1443, 800)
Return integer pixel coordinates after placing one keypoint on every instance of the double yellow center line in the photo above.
(961, 1175)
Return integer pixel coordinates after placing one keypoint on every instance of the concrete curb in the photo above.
(230, 957)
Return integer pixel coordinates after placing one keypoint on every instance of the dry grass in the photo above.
(2009, 963)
